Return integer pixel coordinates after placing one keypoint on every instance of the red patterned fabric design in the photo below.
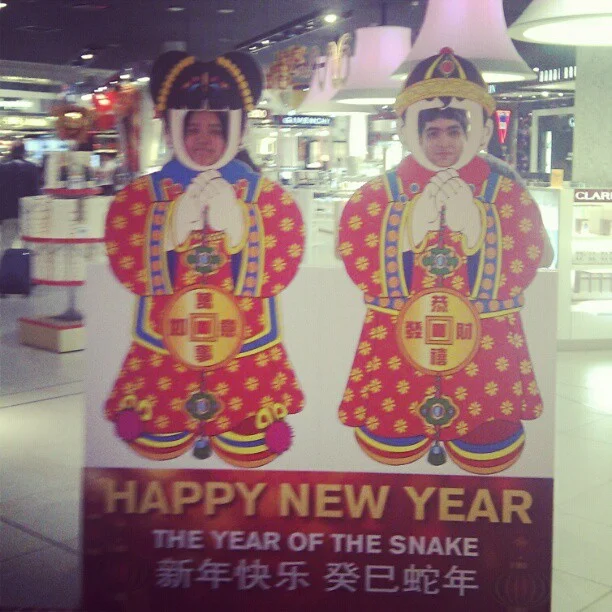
(153, 382)
(386, 391)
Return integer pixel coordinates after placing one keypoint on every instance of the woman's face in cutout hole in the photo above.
(204, 137)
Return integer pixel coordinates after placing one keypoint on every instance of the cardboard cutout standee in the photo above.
(442, 248)
(206, 244)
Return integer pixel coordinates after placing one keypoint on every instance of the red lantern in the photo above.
(73, 122)
(105, 121)
(104, 102)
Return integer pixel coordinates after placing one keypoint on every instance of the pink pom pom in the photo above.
(278, 437)
(128, 425)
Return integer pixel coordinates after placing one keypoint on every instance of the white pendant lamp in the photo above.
(379, 50)
(566, 22)
(321, 91)
(475, 30)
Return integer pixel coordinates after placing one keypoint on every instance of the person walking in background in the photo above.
(18, 178)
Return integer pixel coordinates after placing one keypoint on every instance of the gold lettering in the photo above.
(519, 508)
(419, 501)
(250, 497)
(154, 499)
(376, 504)
(447, 503)
(185, 493)
(325, 497)
(217, 494)
(112, 496)
(483, 507)
(291, 500)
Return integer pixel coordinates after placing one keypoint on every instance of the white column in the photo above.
(593, 130)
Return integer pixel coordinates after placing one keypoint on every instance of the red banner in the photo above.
(174, 539)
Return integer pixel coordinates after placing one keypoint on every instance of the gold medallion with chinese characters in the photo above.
(203, 327)
(438, 331)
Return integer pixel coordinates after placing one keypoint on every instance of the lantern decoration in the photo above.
(104, 103)
(520, 589)
(73, 122)
(502, 117)
(290, 73)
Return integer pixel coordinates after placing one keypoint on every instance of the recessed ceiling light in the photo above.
(143, 79)
(89, 6)
(225, 11)
(87, 56)
(265, 42)
(330, 18)
(175, 9)
(3, 5)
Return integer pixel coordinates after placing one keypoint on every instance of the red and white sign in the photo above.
(503, 123)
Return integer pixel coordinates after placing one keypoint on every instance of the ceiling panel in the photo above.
(128, 31)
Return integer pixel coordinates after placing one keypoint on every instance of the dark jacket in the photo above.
(18, 178)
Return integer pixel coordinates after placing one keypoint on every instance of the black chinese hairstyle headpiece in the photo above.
(180, 81)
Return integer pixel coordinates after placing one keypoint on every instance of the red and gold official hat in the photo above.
(445, 74)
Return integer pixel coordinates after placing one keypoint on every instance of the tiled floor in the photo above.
(41, 411)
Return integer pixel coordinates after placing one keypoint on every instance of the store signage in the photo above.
(592, 195)
(12, 104)
(306, 120)
(260, 114)
(17, 122)
(551, 75)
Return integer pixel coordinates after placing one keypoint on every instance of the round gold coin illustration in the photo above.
(438, 331)
(202, 327)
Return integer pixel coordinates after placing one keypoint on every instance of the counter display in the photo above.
(64, 229)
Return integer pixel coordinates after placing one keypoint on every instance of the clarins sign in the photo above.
(592, 195)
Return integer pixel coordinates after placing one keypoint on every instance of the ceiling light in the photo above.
(265, 42)
(225, 11)
(330, 18)
(87, 55)
(175, 9)
(89, 5)
(143, 79)
(368, 101)
(3, 5)
(482, 39)
(30, 80)
(125, 76)
(379, 51)
(545, 94)
(565, 22)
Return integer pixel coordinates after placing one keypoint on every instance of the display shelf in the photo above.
(51, 240)
(52, 334)
(57, 283)
(585, 274)
(64, 230)
(68, 193)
